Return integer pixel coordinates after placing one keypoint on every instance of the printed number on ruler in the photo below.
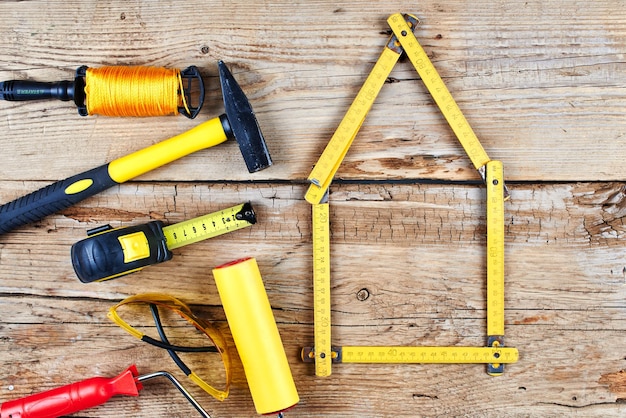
(321, 289)
(495, 261)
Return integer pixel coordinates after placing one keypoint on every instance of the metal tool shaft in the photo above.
(180, 387)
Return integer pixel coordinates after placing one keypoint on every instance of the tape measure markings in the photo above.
(495, 260)
(321, 289)
(495, 355)
(495, 249)
(438, 90)
(208, 226)
(439, 355)
(337, 148)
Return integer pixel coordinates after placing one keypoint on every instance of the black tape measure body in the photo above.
(109, 253)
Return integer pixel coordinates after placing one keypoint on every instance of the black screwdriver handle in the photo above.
(21, 90)
(53, 198)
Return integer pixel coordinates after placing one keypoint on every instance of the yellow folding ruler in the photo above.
(495, 354)
(321, 288)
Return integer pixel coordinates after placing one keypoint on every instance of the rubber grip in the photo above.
(73, 397)
(105, 256)
(54, 198)
(21, 90)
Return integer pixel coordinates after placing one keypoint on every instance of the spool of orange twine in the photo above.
(134, 91)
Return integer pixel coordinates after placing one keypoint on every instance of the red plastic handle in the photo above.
(72, 398)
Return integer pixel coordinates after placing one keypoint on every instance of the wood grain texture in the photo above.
(537, 82)
(543, 84)
(424, 246)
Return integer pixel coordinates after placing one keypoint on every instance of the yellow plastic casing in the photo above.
(79, 186)
(135, 246)
(205, 135)
(256, 336)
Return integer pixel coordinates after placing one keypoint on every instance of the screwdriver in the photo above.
(86, 394)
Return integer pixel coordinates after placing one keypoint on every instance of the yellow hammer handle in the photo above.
(205, 135)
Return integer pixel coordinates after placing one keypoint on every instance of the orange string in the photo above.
(133, 91)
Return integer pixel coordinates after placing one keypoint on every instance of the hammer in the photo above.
(237, 122)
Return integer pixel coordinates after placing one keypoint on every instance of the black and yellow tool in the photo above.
(110, 253)
(494, 354)
(122, 86)
(239, 122)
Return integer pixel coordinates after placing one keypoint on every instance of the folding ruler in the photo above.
(494, 354)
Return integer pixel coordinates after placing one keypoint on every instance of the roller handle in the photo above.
(73, 397)
(53, 198)
(21, 90)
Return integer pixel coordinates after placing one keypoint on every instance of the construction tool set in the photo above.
(109, 253)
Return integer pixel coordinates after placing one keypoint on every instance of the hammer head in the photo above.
(242, 123)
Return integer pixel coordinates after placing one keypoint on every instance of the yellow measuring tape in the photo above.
(208, 226)
(108, 253)
(495, 355)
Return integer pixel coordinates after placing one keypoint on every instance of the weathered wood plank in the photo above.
(542, 84)
(416, 249)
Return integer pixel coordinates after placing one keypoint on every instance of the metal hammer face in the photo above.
(239, 122)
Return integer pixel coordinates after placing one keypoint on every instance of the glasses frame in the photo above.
(156, 300)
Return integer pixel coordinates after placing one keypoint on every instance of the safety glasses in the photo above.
(160, 309)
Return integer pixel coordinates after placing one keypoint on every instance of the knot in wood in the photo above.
(362, 294)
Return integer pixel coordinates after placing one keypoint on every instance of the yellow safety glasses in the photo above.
(142, 307)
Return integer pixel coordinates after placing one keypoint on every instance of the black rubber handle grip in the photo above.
(21, 90)
(53, 198)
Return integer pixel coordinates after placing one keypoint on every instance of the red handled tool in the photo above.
(86, 394)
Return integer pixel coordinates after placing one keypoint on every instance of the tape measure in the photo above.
(419, 355)
(495, 355)
(110, 253)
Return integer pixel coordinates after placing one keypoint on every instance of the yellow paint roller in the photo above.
(256, 336)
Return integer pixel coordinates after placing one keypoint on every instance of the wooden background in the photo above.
(543, 84)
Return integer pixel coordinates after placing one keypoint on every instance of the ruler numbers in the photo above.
(321, 289)
(439, 92)
(434, 355)
(337, 148)
(199, 228)
(204, 227)
(495, 354)
(495, 248)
